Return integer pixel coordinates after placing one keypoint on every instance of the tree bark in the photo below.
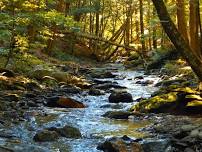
(177, 39)
(194, 27)
(142, 28)
(181, 20)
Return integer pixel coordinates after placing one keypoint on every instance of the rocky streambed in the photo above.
(68, 118)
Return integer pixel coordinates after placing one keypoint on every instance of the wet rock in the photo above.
(30, 95)
(32, 86)
(7, 73)
(67, 131)
(4, 134)
(106, 86)
(64, 102)
(156, 145)
(120, 145)
(6, 149)
(12, 97)
(120, 96)
(32, 104)
(97, 81)
(46, 135)
(189, 150)
(102, 74)
(95, 92)
(23, 147)
(139, 77)
(70, 89)
(200, 135)
(145, 83)
(188, 128)
(113, 106)
(117, 114)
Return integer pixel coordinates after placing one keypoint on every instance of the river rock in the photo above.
(60, 76)
(156, 145)
(194, 133)
(145, 82)
(67, 131)
(189, 150)
(200, 135)
(116, 144)
(40, 73)
(7, 73)
(95, 92)
(70, 89)
(120, 96)
(117, 114)
(33, 85)
(139, 77)
(23, 147)
(64, 102)
(107, 86)
(46, 135)
(49, 81)
(102, 74)
(98, 81)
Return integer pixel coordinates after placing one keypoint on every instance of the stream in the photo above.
(89, 121)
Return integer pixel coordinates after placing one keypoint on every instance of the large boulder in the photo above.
(120, 96)
(123, 144)
(46, 135)
(63, 102)
(178, 101)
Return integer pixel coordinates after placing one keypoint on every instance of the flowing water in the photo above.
(93, 126)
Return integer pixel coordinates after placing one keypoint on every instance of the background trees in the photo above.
(102, 28)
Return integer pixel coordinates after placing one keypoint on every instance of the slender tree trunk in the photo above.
(181, 20)
(194, 27)
(177, 39)
(142, 28)
(154, 38)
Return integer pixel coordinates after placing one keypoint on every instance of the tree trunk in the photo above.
(142, 28)
(181, 21)
(177, 39)
(194, 27)
(154, 37)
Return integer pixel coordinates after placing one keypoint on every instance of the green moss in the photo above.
(154, 102)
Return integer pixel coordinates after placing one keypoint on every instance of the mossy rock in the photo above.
(40, 73)
(156, 102)
(187, 90)
(117, 114)
(67, 131)
(46, 135)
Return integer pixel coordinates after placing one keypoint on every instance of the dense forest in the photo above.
(100, 75)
